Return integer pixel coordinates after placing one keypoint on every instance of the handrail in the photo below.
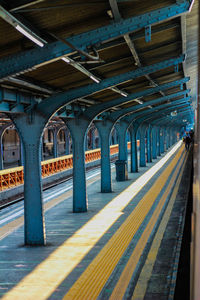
(15, 176)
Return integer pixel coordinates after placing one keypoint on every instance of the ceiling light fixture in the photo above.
(95, 79)
(66, 59)
(29, 36)
(115, 89)
(139, 101)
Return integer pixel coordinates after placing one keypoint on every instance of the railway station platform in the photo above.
(127, 245)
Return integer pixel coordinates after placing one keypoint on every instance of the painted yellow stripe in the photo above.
(122, 284)
(50, 273)
(91, 282)
(145, 275)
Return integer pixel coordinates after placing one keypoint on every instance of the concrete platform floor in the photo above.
(125, 247)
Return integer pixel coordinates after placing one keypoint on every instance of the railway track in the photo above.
(20, 197)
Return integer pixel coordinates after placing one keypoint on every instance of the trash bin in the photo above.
(121, 170)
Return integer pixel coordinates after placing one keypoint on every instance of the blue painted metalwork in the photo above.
(21, 154)
(53, 103)
(127, 110)
(167, 138)
(97, 109)
(143, 129)
(79, 179)
(149, 144)
(133, 132)
(181, 109)
(121, 128)
(31, 136)
(11, 96)
(148, 33)
(158, 141)
(154, 133)
(153, 111)
(176, 68)
(162, 150)
(104, 129)
(154, 142)
(134, 159)
(28, 59)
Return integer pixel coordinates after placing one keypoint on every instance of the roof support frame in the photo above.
(128, 110)
(10, 96)
(55, 102)
(29, 59)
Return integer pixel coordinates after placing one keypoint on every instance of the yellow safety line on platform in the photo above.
(93, 279)
(49, 274)
(141, 286)
(123, 282)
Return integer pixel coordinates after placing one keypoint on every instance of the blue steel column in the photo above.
(134, 158)
(175, 135)
(162, 141)
(22, 153)
(149, 144)
(154, 142)
(104, 128)
(78, 129)
(30, 132)
(142, 146)
(121, 128)
(169, 137)
(172, 136)
(158, 141)
(165, 138)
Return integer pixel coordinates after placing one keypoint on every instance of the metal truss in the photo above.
(55, 102)
(29, 59)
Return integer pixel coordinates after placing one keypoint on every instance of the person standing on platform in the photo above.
(187, 141)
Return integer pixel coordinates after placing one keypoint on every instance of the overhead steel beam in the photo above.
(28, 59)
(146, 118)
(93, 112)
(53, 103)
(181, 112)
(30, 85)
(36, 38)
(148, 103)
(138, 35)
(148, 112)
(137, 59)
(11, 96)
(96, 109)
(143, 115)
(26, 5)
(129, 42)
(127, 110)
